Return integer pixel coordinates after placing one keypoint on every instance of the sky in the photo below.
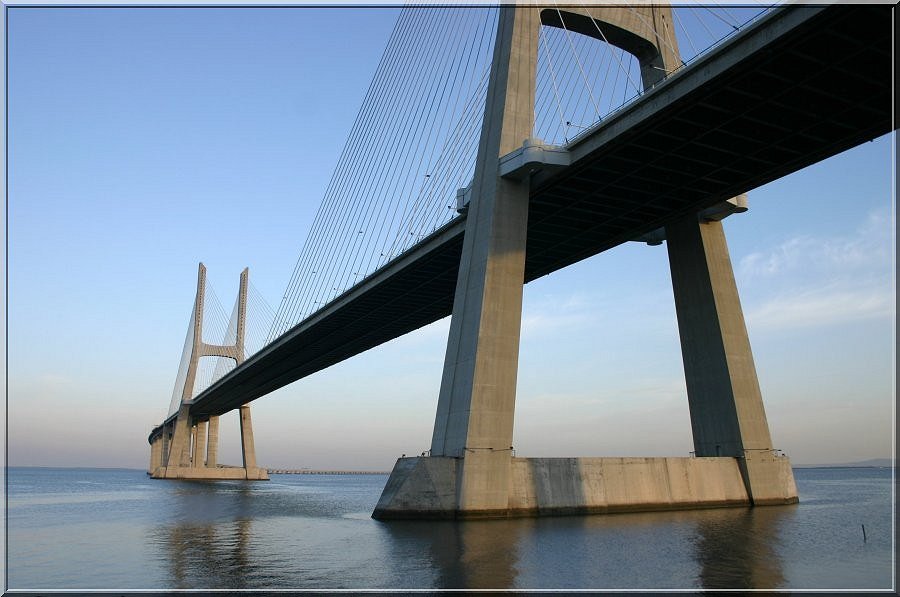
(142, 141)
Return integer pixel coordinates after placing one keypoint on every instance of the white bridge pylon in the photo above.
(187, 447)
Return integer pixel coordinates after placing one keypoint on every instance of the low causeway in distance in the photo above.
(306, 471)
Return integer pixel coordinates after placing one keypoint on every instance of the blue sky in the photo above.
(142, 141)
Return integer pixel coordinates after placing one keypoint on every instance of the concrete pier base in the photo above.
(769, 478)
(211, 474)
(426, 487)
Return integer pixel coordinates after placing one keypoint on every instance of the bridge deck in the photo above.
(803, 84)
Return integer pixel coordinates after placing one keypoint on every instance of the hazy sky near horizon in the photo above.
(143, 141)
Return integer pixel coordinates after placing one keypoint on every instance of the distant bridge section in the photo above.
(306, 471)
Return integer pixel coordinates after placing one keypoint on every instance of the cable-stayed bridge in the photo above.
(495, 146)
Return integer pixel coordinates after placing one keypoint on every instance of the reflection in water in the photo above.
(738, 547)
(731, 548)
(243, 536)
(200, 554)
(202, 549)
(476, 554)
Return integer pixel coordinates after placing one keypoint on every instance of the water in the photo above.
(118, 529)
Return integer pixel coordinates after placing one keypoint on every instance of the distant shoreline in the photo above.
(871, 463)
(808, 466)
(277, 471)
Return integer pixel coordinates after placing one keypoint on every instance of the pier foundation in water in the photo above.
(427, 487)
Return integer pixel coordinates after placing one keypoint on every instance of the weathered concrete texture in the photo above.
(248, 450)
(548, 486)
(212, 447)
(165, 438)
(727, 413)
(769, 478)
(179, 453)
(211, 474)
(199, 458)
(420, 487)
(425, 487)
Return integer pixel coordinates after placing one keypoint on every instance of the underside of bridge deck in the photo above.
(806, 96)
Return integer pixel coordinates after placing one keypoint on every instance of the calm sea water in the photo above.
(118, 529)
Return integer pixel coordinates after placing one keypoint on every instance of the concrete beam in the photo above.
(533, 156)
(718, 212)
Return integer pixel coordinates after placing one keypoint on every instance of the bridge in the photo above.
(791, 88)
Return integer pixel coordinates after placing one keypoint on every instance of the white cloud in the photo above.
(868, 248)
(813, 281)
(823, 306)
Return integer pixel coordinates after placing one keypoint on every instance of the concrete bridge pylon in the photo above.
(187, 447)
(471, 470)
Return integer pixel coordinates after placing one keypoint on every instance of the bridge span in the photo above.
(800, 85)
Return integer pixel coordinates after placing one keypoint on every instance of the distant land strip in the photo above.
(306, 471)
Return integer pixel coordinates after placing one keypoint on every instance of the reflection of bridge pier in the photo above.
(737, 548)
(186, 446)
(209, 551)
(465, 554)
(470, 471)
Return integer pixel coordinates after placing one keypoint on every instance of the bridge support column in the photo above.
(173, 465)
(179, 455)
(194, 436)
(471, 444)
(726, 408)
(212, 448)
(155, 454)
(248, 450)
(166, 437)
(476, 404)
(200, 445)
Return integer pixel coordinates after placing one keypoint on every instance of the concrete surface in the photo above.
(426, 487)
